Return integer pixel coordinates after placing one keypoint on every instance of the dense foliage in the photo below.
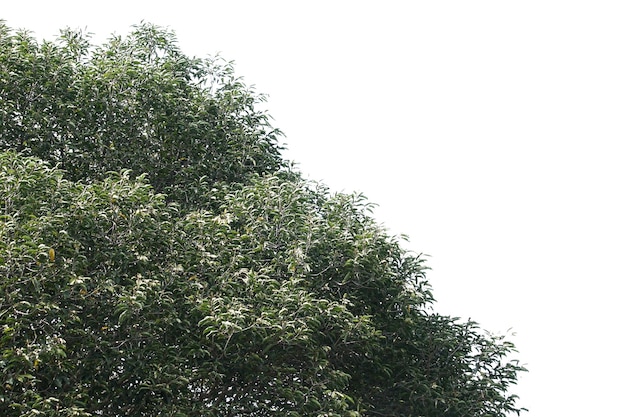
(217, 285)
(136, 103)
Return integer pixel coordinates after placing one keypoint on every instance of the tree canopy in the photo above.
(158, 257)
(135, 103)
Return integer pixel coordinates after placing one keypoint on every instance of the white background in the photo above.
(490, 132)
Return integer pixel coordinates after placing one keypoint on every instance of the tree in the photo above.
(235, 288)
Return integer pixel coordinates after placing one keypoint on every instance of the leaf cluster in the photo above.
(135, 103)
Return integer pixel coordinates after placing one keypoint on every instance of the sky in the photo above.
(490, 132)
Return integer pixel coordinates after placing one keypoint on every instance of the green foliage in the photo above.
(136, 103)
(243, 291)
